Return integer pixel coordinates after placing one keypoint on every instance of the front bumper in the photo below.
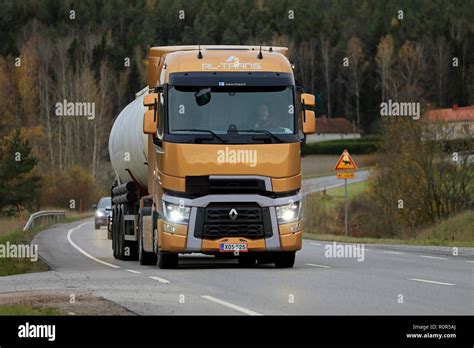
(190, 238)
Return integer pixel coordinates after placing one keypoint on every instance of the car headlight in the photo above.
(288, 213)
(98, 213)
(175, 213)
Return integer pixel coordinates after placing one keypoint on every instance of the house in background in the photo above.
(335, 128)
(452, 123)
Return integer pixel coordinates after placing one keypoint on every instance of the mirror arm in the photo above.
(157, 141)
(304, 111)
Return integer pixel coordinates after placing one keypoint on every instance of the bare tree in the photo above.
(411, 65)
(384, 60)
(327, 54)
(357, 66)
(441, 59)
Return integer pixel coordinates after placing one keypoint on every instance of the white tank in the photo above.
(128, 144)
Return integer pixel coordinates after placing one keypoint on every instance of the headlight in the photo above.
(98, 213)
(288, 213)
(175, 213)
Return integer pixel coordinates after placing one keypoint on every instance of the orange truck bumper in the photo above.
(174, 238)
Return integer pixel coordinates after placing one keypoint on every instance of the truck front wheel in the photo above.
(285, 259)
(167, 260)
(247, 259)
(145, 258)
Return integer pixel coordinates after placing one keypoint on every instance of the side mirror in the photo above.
(309, 122)
(308, 99)
(150, 118)
(150, 121)
(94, 206)
(150, 99)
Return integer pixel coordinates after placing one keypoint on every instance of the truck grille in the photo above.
(218, 231)
(233, 220)
(243, 215)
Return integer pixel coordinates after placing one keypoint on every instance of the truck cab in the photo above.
(223, 127)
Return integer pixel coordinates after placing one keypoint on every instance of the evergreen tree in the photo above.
(17, 185)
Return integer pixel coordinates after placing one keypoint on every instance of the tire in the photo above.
(124, 245)
(97, 227)
(120, 236)
(246, 259)
(115, 235)
(167, 260)
(145, 258)
(285, 259)
(265, 259)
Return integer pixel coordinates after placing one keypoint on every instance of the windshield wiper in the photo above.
(261, 131)
(201, 130)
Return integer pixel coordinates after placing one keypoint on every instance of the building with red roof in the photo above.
(334, 128)
(452, 123)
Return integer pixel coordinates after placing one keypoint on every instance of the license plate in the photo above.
(232, 247)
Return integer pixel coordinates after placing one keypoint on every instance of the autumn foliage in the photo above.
(68, 188)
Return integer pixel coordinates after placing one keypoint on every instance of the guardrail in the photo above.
(45, 216)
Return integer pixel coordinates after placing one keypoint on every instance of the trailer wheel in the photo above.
(120, 238)
(167, 260)
(145, 258)
(115, 232)
(285, 259)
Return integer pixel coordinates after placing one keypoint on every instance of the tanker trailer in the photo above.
(207, 158)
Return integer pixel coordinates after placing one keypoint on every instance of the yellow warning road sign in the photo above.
(349, 175)
(345, 162)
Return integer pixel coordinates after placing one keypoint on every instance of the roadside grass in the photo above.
(455, 231)
(11, 266)
(27, 310)
(459, 228)
(424, 242)
(334, 196)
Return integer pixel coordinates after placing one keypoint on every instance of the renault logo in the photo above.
(233, 214)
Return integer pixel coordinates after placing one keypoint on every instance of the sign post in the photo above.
(344, 163)
(346, 233)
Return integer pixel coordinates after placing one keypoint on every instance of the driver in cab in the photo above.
(264, 121)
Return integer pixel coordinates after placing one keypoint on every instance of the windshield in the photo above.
(104, 203)
(231, 109)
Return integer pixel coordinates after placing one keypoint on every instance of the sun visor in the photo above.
(231, 79)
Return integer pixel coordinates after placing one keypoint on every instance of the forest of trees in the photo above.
(352, 54)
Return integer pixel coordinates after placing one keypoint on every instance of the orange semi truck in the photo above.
(207, 158)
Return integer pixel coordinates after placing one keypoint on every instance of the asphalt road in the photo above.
(430, 282)
(327, 182)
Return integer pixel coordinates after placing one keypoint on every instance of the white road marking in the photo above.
(82, 251)
(393, 252)
(161, 280)
(133, 271)
(470, 261)
(433, 257)
(72, 313)
(315, 265)
(230, 305)
(316, 243)
(431, 281)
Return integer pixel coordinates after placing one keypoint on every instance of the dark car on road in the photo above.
(102, 212)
